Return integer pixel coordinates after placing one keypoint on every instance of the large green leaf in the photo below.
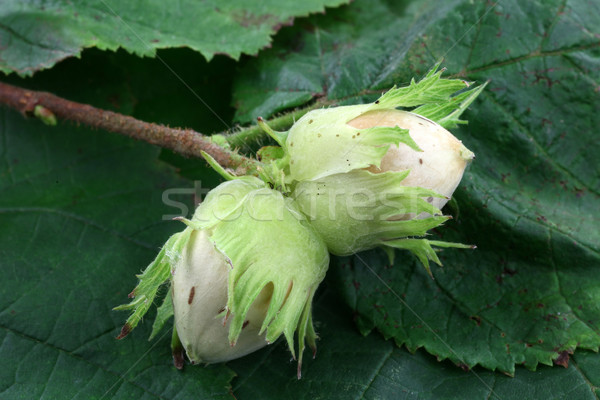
(36, 35)
(529, 201)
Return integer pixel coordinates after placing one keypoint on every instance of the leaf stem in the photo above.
(183, 141)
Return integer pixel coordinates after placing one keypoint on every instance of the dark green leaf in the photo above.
(35, 35)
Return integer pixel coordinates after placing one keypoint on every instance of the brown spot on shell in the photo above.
(192, 293)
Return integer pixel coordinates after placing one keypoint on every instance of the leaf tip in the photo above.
(178, 359)
(125, 330)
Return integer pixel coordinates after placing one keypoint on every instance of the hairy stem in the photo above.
(187, 142)
(283, 122)
(48, 107)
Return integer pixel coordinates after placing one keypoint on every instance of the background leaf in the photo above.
(35, 36)
(81, 213)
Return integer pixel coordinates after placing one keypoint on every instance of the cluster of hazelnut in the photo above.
(341, 180)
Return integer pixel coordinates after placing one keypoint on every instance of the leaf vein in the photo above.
(60, 350)
(552, 24)
(593, 388)
(75, 217)
(534, 54)
(560, 289)
(51, 374)
(534, 220)
(538, 147)
(376, 372)
(17, 35)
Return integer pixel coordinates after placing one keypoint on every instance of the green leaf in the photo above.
(529, 200)
(40, 35)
